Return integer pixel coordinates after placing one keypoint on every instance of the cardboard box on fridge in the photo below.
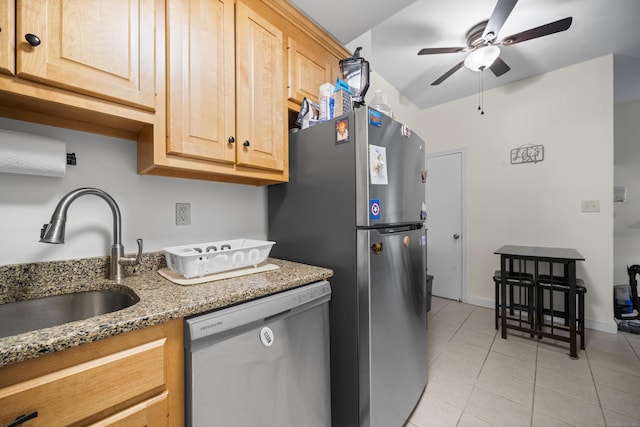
(342, 102)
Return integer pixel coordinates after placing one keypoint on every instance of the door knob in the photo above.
(231, 140)
(456, 236)
(246, 143)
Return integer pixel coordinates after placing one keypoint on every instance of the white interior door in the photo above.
(444, 224)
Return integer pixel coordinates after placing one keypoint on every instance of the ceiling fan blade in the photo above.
(543, 30)
(500, 14)
(499, 67)
(435, 50)
(448, 73)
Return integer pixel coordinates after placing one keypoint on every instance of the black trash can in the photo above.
(429, 286)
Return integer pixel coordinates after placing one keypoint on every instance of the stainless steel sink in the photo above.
(29, 315)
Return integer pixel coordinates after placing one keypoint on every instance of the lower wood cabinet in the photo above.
(132, 379)
(151, 412)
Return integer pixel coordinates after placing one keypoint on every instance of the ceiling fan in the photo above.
(482, 45)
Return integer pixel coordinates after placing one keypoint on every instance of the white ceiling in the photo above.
(392, 33)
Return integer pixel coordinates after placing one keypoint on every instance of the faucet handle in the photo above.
(43, 230)
(133, 261)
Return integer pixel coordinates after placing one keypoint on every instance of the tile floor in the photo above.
(478, 379)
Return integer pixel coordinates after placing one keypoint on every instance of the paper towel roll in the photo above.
(32, 154)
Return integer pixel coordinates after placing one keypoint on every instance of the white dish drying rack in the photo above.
(202, 259)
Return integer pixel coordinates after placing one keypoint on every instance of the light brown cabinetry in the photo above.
(210, 116)
(310, 66)
(203, 86)
(308, 69)
(225, 98)
(131, 379)
(201, 83)
(260, 93)
(226, 120)
(312, 58)
(89, 65)
(7, 37)
(98, 48)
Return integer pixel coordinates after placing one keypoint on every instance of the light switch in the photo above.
(591, 206)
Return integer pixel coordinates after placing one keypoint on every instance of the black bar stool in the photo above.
(522, 284)
(546, 286)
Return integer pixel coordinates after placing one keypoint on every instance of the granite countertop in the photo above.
(160, 299)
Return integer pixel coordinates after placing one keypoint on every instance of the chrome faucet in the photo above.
(54, 231)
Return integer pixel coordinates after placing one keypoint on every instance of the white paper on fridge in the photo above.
(378, 165)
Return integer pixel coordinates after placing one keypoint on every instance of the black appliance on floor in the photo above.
(626, 305)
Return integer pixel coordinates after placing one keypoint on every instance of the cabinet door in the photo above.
(7, 37)
(104, 49)
(308, 69)
(260, 92)
(201, 82)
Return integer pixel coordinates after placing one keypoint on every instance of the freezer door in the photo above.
(390, 171)
(393, 358)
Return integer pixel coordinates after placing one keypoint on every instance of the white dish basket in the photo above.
(201, 259)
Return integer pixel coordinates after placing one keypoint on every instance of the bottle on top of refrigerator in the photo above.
(326, 101)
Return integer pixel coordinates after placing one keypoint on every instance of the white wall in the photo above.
(403, 109)
(570, 112)
(626, 223)
(147, 203)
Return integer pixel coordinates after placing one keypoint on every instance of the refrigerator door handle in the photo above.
(399, 228)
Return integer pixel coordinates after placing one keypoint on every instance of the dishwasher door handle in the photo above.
(277, 315)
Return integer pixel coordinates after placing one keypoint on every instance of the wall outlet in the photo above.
(183, 213)
(591, 206)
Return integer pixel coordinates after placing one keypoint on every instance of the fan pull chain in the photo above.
(481, 93)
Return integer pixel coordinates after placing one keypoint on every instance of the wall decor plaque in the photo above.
(527, 153)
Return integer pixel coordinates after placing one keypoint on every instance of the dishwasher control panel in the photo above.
(311, 294)
(229, 318)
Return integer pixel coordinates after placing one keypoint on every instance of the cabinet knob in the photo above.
(32, 39)
(231, 140)
(246, 143)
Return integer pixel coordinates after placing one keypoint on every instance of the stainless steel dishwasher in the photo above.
(262, 363)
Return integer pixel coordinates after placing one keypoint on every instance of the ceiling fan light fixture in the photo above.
(482, 58)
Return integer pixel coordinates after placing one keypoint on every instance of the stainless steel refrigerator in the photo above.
(355, 203)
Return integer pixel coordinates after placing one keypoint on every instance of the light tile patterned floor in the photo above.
(478, 379)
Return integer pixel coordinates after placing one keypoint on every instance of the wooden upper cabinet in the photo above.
(308, 69)
(201, 88)
(235, 70)
(7, 37)
(260, 92)
(104, 49)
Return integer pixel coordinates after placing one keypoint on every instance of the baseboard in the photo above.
(481, 302)
(608, 327)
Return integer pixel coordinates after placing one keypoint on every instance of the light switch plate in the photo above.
(591, 206)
